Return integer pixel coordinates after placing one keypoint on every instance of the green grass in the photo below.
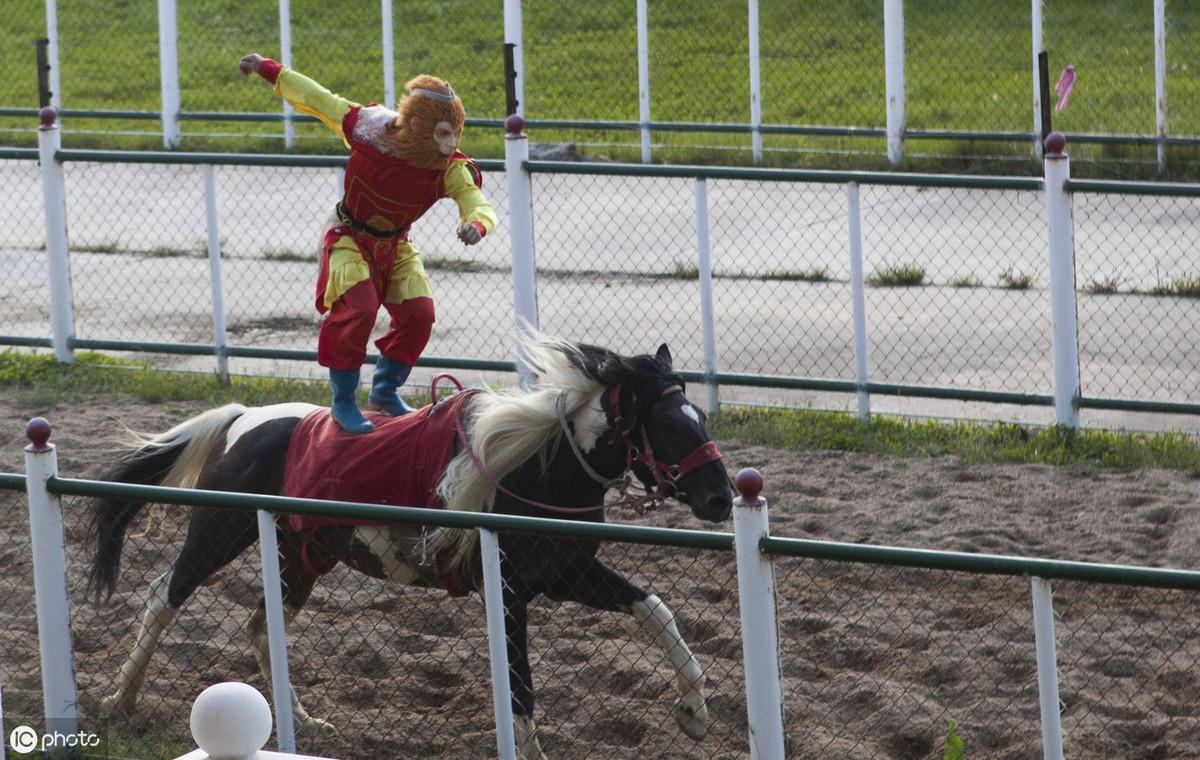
(971, 442)
(1011, 280)
(821, 64)
(965, 281)
(1184, 287)
(1103, 286)
(38, 380)
(287, 254)
(685, 271)
(897, 276)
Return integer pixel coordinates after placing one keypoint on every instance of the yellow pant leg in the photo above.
(408, 278)
(347, 268)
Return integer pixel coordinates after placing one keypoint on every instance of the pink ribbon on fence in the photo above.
(1064, 85)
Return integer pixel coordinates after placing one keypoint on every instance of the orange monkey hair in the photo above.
(410, 136)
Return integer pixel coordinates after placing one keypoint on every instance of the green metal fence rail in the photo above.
(601, 125)
(635, 534)
(989, 564)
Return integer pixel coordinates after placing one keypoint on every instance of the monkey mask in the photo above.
(430, 124)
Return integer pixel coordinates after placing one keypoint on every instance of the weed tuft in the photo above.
(897, 275)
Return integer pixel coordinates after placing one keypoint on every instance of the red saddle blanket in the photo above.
(399, 462)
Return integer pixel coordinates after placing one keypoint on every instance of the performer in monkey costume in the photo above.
(400, 165)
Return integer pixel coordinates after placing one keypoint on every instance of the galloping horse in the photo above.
(617, 415)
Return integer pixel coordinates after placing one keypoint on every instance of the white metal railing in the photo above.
(893, 107)
(1067, 390)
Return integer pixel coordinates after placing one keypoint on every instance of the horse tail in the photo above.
(174, 458)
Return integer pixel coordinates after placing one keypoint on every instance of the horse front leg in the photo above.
(520, 679)
(599, 586)
(298, 580)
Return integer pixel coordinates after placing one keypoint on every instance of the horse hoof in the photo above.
(316, 727)
(694, 722)
(113, 704)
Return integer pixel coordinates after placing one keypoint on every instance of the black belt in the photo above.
(344, 216)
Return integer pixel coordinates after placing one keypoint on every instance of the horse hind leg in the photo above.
(159, 614)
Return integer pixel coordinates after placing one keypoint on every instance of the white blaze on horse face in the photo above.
(691, 412)
(590, 424)
(262, 415)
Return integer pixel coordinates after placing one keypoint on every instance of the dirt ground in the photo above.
(876, 660)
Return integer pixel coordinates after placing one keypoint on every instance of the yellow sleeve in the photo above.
(313, 99)
(473, 206)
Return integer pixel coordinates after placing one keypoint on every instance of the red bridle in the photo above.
(665, 475)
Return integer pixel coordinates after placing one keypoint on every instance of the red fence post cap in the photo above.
(749, 483)
(38, 432)
(514, 124)
(1056, 142)
(47, 116)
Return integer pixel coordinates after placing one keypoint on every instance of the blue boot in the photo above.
(344, 407)
(389, 376)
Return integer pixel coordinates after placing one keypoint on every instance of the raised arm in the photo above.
(305, 94)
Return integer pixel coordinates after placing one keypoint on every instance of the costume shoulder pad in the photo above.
(472, 167)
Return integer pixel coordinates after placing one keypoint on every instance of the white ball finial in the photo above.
(231, 721)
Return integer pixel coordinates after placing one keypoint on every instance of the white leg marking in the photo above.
(157, 617)
(691, 712)
(528, 747)
(256, 629)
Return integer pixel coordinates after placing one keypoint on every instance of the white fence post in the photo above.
(388, 33)
(54, 202)
(1160, 81)
(1035, 75)
(168, 67)
(708, 326)
(493, 599)
(755, 84)
(50, 581)
(893, 60)
(513, 35)
(1064, 336)
(643, 54)
(520, 210)
(220, 334)
(1047, 670)
(756, 603)
(281, 685)
(858, 299)
(52, 59)
(285, 57)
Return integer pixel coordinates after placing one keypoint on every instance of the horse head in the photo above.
(666, 443)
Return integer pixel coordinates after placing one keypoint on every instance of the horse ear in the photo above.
(664, 355)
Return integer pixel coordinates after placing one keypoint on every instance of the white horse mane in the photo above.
(506, 429)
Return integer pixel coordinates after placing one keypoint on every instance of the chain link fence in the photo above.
(821, 67)
(876, 660)
(394, 672)
(957, 285)
(880, 661)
